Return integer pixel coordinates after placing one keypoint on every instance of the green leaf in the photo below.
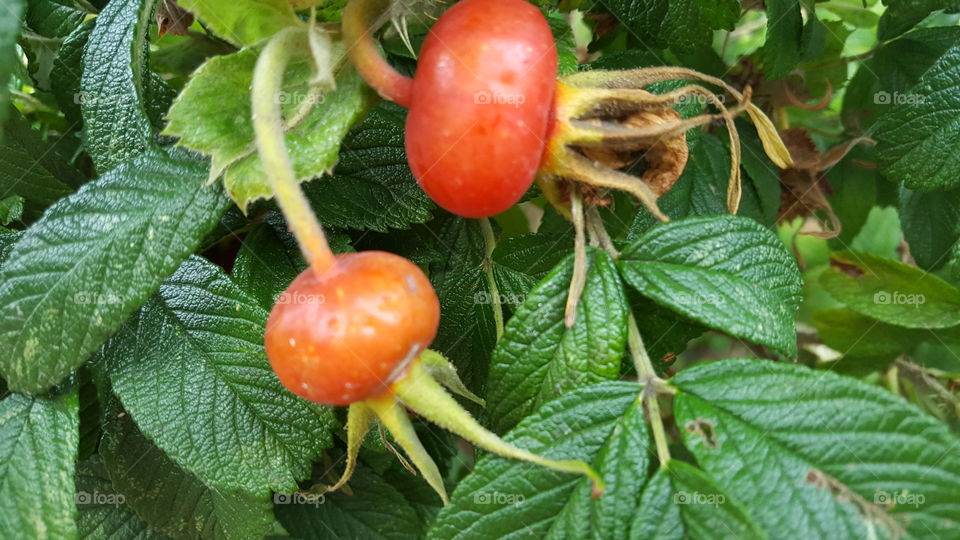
(54, 18)
(372, 186)
(664, 332)
(728, 273)
(93, 258)
(221, 413)
(931, 225)
(113, 86)
(375, 510)
(102, 511)
(567, 61)
(902, 15)
(859, 336)
(504, 498)
(169, 499)
(682, 25)
(911, 138)
(213, 115)
(782, 49)
(818, 454)
(467, 332)
(539, 358)
(681, 501)
(33, 168)
(38, 446)
(11, 209)
(520, 262)
(10, 25)
(880, 234)
(243, 22)
(891, 291)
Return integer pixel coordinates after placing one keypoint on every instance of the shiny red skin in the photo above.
(482, 100)
(346, 335)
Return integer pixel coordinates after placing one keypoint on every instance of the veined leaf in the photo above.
(10, 25)
(931, 225)
(93, 258)
(728, 273)
(539, 358)
(244, 22)
(682, 25)
(504, 498)
(892, 292)
(38, 447)
(103, 512)
(54, 18)
(191, 370)
(827, 455)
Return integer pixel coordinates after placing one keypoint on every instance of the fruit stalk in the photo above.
(271, 144)
(358, 23)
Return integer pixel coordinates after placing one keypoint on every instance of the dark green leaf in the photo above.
(54, 18)
(681, 501)
(9, 60)
(782, 50)
(372, 186)
(892, 292)
(931, 225)
(67, 70)
(728, 273)
(113, 85)
(94, 258)
(520, 262)
(102, 511)
(828, 456)
(539, 358)
(220, 412)
(682, 25)
(11, 209)
(38, 446)
(504, 498)
(375, 510)
(169, 499)
(913, 136)
(902, 15)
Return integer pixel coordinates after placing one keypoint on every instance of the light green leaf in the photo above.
(38, 446)
(113, 87)
(243, 22)
(682, 502)
(856, 335)
(880, 234)
(372, 187)
(94, 258)
(213, 115)
(913, 136)
(892, 292)
(818, 454)
(509, 499)
(375, 510)
(539, 358)
(102, 511)
(169, 499)
(728, 273)
(220, 412)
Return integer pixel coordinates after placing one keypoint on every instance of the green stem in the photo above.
(647, 375)
(426, 397)
(268, 126)
(490, 243)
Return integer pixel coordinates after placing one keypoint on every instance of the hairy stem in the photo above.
(490, 243)
(268, 126)
(359, 21)
(648, 376)
(579, 280)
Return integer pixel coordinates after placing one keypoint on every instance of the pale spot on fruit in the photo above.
(293, 342)
(411, 284)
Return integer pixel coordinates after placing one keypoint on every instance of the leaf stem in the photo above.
(271, 144)
(648, 376)
(490, 243)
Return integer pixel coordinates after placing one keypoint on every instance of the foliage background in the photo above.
(138, 402)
